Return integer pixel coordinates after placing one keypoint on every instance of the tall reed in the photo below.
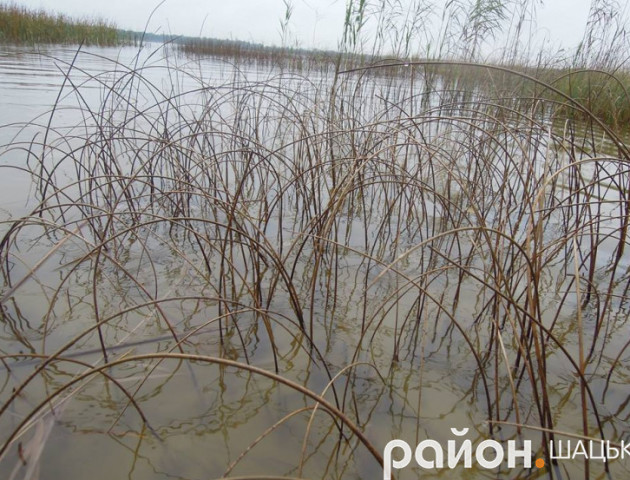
(365, 248)
(20, 25)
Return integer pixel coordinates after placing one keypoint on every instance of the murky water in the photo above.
(222, 212)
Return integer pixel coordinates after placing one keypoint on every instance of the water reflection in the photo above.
(418, 268)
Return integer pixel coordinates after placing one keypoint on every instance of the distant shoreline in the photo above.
(604, 94)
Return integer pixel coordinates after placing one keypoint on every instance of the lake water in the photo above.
(384, 235)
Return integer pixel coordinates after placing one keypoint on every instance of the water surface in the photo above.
(384, 239)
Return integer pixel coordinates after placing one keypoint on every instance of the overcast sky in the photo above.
(315, 23)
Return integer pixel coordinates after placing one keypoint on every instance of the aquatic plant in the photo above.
(20, 25)
(343, 255)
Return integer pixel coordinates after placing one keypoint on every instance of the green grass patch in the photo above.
(604, 94)
(20, 25)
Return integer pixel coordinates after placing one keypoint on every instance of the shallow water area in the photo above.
(196, 251)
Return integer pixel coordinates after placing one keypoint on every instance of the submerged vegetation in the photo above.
(327, 259)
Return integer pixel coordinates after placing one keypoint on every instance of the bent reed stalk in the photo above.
(385, 220)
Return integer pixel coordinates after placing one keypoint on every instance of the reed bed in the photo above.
(342, 246)
(603, 89)
(21, 25)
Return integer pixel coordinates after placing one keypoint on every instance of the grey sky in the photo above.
(315, 23)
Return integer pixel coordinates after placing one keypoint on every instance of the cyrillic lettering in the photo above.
(580, 449)
(439, 454)
(610, 450)
(560, 455)
(389, 463)
(602, 451)
(526, 453)
(479, 453)
(453, 456)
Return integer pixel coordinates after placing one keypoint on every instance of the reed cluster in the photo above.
(21, 25)
(346, 255)
(258, 225)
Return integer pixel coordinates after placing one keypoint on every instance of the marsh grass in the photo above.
(358, 240)
(605, 94)
(21, 25)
